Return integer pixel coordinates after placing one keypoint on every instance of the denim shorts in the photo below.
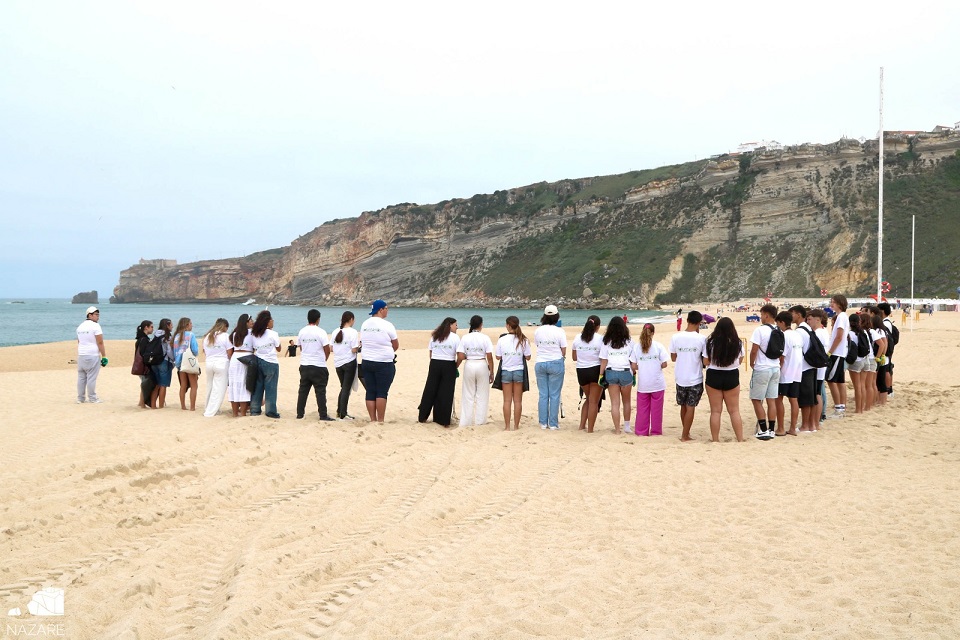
(619, 378)
(377, 378)
(162, 373)
(507, 377)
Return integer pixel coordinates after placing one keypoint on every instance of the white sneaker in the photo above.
(554, 428)
(836, 414)
(97, 401)
(543, 426)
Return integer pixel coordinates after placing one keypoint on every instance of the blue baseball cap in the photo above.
(377, 305)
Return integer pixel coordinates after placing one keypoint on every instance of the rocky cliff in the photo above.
(789, 222)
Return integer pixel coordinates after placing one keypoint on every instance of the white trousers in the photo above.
(216, 375)
(475, 393)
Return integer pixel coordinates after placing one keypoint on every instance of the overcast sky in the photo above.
(197, 130)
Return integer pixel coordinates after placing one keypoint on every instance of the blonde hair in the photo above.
(219, 326)
(646, 337)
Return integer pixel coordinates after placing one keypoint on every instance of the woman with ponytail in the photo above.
(477, 349)
(648, 360)
(346, 342)
(147, 385)
(442, 375)
(586, 355)
(512, 350)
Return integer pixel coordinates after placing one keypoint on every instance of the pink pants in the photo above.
(649, 421)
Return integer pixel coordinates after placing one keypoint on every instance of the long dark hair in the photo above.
(857, 329)
(590, 328)
(344, 319)
(240, 331)
(260, 324)
(166, 325)
(513, 328)
(141, 334)
(442, 332)
(475, 323)
(617, 334)
(723, 345)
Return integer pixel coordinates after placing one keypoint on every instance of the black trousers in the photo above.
(346, 373)
(438, 392)
(313, 377)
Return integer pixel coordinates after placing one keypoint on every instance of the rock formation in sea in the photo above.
(86, 297)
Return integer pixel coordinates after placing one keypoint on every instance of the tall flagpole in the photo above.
(913, 244)
(880, 217)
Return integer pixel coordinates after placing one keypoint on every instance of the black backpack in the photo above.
(863, 344)
(815, 355)
(853, 351)
(893, 335)
(152, 352)
(776, 344)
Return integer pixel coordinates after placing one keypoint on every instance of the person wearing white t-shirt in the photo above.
(551, 344)
(648, 361)
(241, 340)
(790, 375)
(513, 352)
(808, 373)
(685, 350)
(441, 384)
(616, 370)
(817, 319)
(476, 352)
(266, 346)
(765, 379)
(722, 354)
(837, 351)
(345, 343)
(91, 356)
(880, 345)
(217, 350)
(314, 351)
(586, 354)
(378, 343)
(857, 368)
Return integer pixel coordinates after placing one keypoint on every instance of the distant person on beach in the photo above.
(378, 343)
(441, 383)
(314, 351)
(617, 372)
(551, 344)
(476, 352)
(242, 342)
(184, 339)
(886, 314)
(856, 369)
(807, 400)
(837, 350)
(147, 384)
(91, 356)
(817, 319)
(216, 350)
(722, 354)
(346, 342)
(585, 352)
(790, 375)
(163, 372)
(685, 349)
(881, 344)
(266, 346)
(765, 379)
(292, 349)
(512, 350)
(649, 359)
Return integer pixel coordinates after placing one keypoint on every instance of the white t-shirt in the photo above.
(875, 336)
(475, 346)
(792, 357)
(549, 340)
(823, 335)
(376, 336)
(247, 345)
(445, 349)
(343, 350)
(802, 330)
(761, 337)
(856, 341)
(618, 359)
(266, 346)
(312, 339)
(649, 370)
(730, 367)
(688, 369)
(87, 334)
(842, 322)
(217, 350)
(588, 353)
(511, 353)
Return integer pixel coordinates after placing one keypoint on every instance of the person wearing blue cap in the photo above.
(378, 343)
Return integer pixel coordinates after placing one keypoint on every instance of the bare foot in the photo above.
(686, 439)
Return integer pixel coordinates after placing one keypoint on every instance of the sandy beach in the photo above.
(166, 524)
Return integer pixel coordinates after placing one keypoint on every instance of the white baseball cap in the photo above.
(551, 310)
(92, 310)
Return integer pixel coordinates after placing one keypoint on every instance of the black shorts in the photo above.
(882, 378)
(689, 396)
(835, 370)
(808, 388)
(789, 389)
(723, 379)
(589, 375)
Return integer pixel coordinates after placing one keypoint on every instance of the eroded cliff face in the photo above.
(789, 222)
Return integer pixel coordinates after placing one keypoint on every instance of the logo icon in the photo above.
(46, 602)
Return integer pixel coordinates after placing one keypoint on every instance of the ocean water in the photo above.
(38, 320)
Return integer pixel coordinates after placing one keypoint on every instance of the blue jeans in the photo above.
(265, 392)
(549, 383)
